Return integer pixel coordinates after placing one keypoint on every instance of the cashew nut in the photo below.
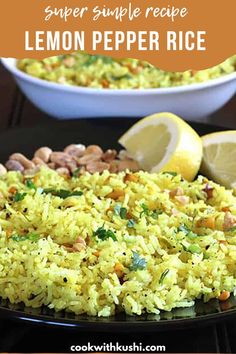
(52, 165)
(114, 166)
(97, 166)
(93, 149)
(13, 165)
(43, 153)
(75, 150)
(109, 155)
(84, 160)
(63, 171)
(61, 159)
(128, 165)
(3, 170)
(37, 161)
(26, 163)
(30, 172)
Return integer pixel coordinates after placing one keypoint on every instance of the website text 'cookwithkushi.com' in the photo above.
(117, 348)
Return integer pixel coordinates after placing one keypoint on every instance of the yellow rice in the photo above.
(45, 272)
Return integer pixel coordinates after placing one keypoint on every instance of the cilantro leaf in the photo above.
(76, 172)
(131, 223)
(138, 263)
(123, 213)
(62, 193)
(32, 236)
(194, 248)
(145, 210)
(190, 234)
(164, 274)
(104, 234)
(30, 184)
(120, 211)
(173, 174)
(156, 213)
(19, 197)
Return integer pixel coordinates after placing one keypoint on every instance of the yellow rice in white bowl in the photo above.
(127, 242)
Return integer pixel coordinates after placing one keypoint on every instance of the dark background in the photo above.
(16, 111)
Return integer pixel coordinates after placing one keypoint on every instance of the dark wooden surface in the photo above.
(15, 111)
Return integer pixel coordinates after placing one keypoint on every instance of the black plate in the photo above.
(104, 132)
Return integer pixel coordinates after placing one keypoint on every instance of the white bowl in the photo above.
(65, 102)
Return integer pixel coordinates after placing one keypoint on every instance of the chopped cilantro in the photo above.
(232, 229)
(32, 236)
(104, 234)
(156, 213)
(164, 274)
(76, 172)
(62, 193)
(125, 76)
(30, 184)
(120, 211)
(145, 210)
(174, 174)
(190, 234)
(19, 197)
(131, 223)
(93, 58)
(123, 213)
(138, 263)
(194, 248)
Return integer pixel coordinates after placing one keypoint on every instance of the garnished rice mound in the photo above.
(130, 242)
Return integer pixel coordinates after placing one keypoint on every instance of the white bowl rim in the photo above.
(7, 62)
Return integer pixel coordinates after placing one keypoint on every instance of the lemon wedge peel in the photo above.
(219, 155)
(176, 148)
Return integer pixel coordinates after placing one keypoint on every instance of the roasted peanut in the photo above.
(37, 161)
(52, 165)
(86, 159)
(13, 165)
(43, 153)
(61, 159)
(75, 150)
(79, 244)
(26, 163)
(97, 166)
(114, 166)
(229, 221)
(128, 165)
(109, 155)
(182, 199)
(94, 149)
(176, 192)
(63, 171)
(30, 172)
(3, 170)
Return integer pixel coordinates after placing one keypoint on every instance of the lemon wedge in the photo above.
(219, 156)
(164, 142)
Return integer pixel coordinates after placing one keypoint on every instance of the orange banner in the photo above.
(174, 35)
